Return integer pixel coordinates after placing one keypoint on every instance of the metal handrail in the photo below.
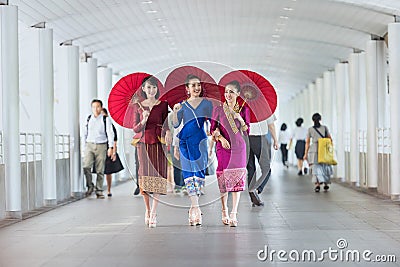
(362, 141)
(384, 140)
(347, 141)
(62, 145)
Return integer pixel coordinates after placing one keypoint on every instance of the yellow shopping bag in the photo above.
(325, 152)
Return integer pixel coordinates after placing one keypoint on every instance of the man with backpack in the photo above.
(98, 136)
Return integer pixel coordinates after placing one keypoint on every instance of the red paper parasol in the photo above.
(256, 91)
(124, 94)
(175, 85)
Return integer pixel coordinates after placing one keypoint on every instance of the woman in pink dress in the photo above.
(229, 127)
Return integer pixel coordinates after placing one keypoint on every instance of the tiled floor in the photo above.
(111, 232)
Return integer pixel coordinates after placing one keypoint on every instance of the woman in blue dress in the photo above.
(193, 142)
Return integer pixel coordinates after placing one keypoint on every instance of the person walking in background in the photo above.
(98, 136)
(113, 164)
(299, 134)
(229, 127)
(193, 142)
(151, 127)
(321, 172)
(284, 138)
(260, 147)
(178, 178)
(137, 190)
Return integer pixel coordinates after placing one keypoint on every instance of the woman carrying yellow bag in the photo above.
(321, 171)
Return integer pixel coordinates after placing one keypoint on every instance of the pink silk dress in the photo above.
(231, 171)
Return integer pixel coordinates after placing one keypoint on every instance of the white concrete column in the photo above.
(333, 103)
(69, 81)
(88, 86)
(46, 75)
(383, 92)
(306, 105)
(342, 86)
(375, 83)
(394, 89)
(354, 86)
(327, 100)
(319, 84)
(303, 103)
(296, 105)
(104, 81)
(9, 83)
(362, 118)
(312, 102)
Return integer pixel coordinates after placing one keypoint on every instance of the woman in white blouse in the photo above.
(284, 139)
(300, 134)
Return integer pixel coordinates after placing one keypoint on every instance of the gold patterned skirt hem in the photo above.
(153, 184)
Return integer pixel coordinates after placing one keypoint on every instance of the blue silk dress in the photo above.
(193, 144)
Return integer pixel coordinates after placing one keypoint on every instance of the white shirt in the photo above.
(95, 133)
(284, 137)
(299, 133)
(261, 128)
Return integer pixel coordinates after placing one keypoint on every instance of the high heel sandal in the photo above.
(225, 217)
(233, 220)
(147, 217)
(317, 188)
(153, 220)
(326, 187)
(192, 217)
(199, 219)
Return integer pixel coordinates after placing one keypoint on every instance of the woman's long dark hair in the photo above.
(316, 119)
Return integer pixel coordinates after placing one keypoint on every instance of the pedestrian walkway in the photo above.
(111, 232)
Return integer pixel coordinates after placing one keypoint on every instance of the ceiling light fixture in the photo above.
(151, 11)
(288, 9)
(147, 2)
(284, 17)
(276, 36)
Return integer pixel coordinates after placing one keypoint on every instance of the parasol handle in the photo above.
(244, 102)
(140, 106)
(136, 101)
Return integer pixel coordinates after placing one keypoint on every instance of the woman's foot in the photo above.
(233, 219)
(192, 217)
(109, 194)
(153, 220)
(199, 219)
(317, 188)
(147, 217)
(225, 217)
(300, 173)
(326, 187)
